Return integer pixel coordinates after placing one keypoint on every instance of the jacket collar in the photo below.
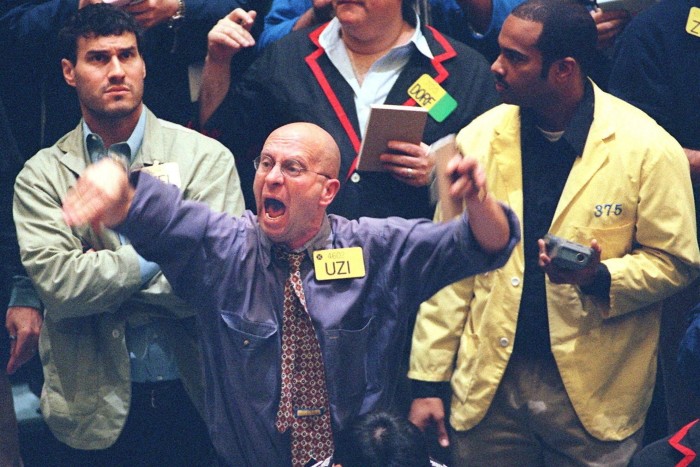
(439, 46)
(76, 158)
(595, 154)
(321, 241)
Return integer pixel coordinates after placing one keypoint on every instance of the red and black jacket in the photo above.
(293, 80)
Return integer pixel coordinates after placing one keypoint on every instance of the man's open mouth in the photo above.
(274, 208)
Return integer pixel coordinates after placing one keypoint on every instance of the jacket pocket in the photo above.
(347, 367)
(253, 352)
(615, 242)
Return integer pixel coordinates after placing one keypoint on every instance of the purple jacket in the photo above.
(224, 266)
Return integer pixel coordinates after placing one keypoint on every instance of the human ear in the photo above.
(564, 68)
(330, 189)
(68, 71)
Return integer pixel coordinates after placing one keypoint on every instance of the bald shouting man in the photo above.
(234, 271)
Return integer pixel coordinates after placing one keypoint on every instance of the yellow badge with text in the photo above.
(340, 263)
(431, 96)
(693, 24)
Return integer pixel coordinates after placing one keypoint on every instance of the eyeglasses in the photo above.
(290, 167)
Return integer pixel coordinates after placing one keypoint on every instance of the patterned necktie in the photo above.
(304, 399)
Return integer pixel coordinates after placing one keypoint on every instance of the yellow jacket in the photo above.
(631, 191)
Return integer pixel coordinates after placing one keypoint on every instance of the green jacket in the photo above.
(631, 191)
(89, 297)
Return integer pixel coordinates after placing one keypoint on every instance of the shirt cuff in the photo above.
(423, 389)
(600, 287)
(23, 294)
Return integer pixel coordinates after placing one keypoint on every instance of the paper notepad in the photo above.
(443, 150)
(388, 123)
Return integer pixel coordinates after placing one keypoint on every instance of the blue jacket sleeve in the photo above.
(281, 19)
(32, 22)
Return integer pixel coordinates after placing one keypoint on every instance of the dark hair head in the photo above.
(95, 20)
(381, 440)
(568, 30)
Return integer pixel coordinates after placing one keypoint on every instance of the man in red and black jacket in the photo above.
(370, 53)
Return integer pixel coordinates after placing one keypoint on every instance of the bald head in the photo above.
(322, 148)
(296, 179)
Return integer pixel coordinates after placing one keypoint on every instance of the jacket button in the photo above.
(355, 177)
(246, 343)
(503, 342)
(515, 281)
(115, 333)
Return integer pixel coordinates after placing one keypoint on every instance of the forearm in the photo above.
(76, 284)
(305, 20)
(488, 223)
(75, 271)
(216, 80)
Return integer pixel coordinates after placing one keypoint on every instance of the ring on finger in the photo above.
(410, 173)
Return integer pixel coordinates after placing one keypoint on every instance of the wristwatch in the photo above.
(179, 14)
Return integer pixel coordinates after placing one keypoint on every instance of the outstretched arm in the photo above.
(486, 217)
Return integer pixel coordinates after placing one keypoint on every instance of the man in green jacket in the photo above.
(121, 363)
(551, 366)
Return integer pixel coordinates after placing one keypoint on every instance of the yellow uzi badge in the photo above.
(431, 96)
(340, 263)
(693, 24)
(167, 172)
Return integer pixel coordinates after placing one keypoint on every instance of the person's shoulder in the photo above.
(185, 135)
(496, 116)
(68, 146)
(633, 129)
(440, 42)
(660, 16)
(283, 57)
(623, 115)
(300, 39)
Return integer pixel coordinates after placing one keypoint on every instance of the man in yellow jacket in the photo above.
(550, 366)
